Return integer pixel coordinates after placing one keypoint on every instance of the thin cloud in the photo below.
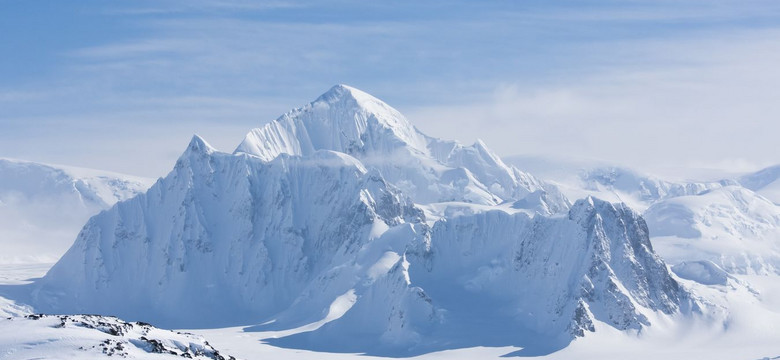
(611, 81)
(713, 107)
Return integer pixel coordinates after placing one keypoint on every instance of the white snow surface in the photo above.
(765, 182)
(732, 226)
(42, 207)
(38, 336)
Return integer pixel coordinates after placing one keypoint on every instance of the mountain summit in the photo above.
(344, 119)
(429, 170)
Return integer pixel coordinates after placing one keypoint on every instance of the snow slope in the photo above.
(765, 182)
(240, 238)
(731, 226)
(42, 207)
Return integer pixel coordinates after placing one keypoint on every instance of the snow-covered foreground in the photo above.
(97, 337)
(752, 333)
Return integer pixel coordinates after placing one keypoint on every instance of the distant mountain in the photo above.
(732, 227)
(727, 223)
(42, 207)
(342, 218)
(765, 182)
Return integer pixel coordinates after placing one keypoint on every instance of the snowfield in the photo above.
(38, 336)
(341, 230)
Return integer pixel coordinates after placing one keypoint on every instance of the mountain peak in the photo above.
(341, 91)
(343, 119)
(200, 146)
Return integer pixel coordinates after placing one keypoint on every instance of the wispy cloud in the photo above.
(204, 6)
(613, 79)
(687, 102)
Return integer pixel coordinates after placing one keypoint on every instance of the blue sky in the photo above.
(122, 85)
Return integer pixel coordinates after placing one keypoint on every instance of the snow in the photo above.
(728, 221)
(732, 226)
(429, 170)
(96, 337)
(765, 182)
(341, 230)
(42, 207)
(702, 272)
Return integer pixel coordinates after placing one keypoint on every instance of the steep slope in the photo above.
(565, 272)
(429, 170)
(242, 239)
(42, 207)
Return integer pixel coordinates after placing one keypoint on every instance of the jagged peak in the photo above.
(341, 92)
(199, 145)
(584, 209)
(198, 148)
(356, 101)
(337, 120)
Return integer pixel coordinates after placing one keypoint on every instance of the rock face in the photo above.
(317, 221)
(553, 274)
(98, 337)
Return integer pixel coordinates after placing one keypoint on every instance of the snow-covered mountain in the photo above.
(732, 227)
(765, 182)
(728, 222)
(343, 219)
(42, 207)
(641, 189)
(239, 237)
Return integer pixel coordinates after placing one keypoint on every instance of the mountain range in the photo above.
(342, 220)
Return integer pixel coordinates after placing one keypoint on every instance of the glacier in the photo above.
(342, 219)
